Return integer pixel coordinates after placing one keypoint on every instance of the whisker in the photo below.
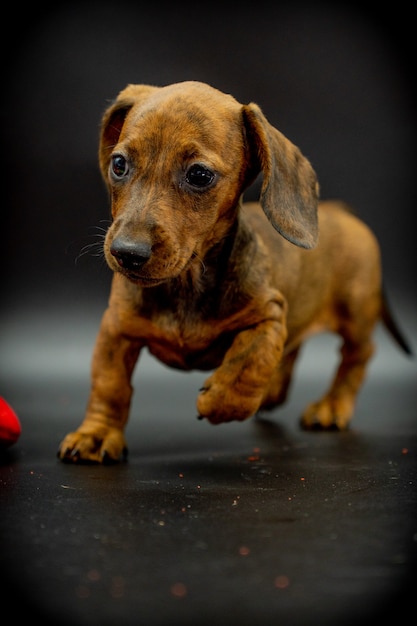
(195, 256)
(94, 248)
(107, 222)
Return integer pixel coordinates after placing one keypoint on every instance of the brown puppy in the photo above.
(205, 282)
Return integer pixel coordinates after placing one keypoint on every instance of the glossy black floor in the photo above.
(253, 523)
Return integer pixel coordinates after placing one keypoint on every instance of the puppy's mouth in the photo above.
(144, 281)
(137, 277)
(131, 260)
(141, 266)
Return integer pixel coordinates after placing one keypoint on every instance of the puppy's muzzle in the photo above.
(131, 256)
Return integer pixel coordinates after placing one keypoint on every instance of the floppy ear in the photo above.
(289, 194)
(114, 118)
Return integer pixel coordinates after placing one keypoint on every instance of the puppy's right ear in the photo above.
(114, 118)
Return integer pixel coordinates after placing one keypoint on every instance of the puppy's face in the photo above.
(175, 175)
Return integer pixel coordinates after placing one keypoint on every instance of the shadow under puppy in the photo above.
(205, 281)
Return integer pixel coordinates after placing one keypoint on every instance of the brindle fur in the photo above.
(206, 281)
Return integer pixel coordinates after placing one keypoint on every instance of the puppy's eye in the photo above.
(119, 166)
(199, 176)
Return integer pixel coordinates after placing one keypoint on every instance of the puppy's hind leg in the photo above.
(335, 409)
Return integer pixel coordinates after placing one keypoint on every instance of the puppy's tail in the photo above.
(392, 326)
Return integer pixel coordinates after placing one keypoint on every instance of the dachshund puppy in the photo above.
(206, 281)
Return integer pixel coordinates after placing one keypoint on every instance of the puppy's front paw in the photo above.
(104, 446)
(218, 403)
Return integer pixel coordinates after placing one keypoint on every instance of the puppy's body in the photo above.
(205, 282)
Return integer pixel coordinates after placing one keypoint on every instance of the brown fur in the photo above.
(204, 281)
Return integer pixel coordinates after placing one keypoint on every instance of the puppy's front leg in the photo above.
(100, 437)
(236, 390)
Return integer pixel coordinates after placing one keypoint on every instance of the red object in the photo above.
(10, 427)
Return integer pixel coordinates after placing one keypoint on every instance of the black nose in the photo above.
(129, 254)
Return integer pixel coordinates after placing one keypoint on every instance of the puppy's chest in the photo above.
(185, 343)
(188, 334)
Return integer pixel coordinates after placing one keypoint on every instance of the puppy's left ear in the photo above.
(289, 194)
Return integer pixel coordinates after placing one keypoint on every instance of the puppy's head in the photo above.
(176, 160)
